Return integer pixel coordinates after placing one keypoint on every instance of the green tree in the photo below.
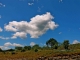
(36, 47)
(52, 43)
(10, 50)
(18, 48)
(1, 50)
(66, 44)
(27, 47)
(55, 46)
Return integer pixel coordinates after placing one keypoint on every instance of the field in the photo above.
(32, 55)
(43, 53)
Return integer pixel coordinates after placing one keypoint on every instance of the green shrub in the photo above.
(23, 50)
(12, 53)
(36, 50)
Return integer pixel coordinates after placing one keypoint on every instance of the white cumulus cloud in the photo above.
(32, 43)
(15, 44)
(12, 44)
(7, 45)
(19, 34)
(37, 26)
(75, 42)
(1, 29)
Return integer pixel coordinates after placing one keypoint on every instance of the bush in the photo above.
(12, 53)
(36, 50)
(23, 50)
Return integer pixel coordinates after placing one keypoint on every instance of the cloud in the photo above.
(0, 16)
(4, 38)
(1, 29)
(32, 44)
(75, 42)
(39, 9)
(12, 44)
(2, 5)
(4, 47)
(60, 0)
(7, 45)
(19, 34)
(60, 32)
(36, 27)
(30, 3)
(15, 44)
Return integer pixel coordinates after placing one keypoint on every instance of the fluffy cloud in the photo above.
(75, 42)
(32, 44)
(15, 44)
(8, 44)
(1, 29)
(19, 34)
(36, 27)
(12, 44)
(4, 47)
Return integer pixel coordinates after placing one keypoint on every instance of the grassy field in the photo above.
(34, 55)
(31, 54)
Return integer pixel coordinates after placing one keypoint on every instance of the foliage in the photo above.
(66, 44)
(12, 53)
(36, 47)
(18, 48)
(1, 50)
(23, 50)
(51, 43)
(10, 50)
(55, 46)
(36, 50)
(27, 47)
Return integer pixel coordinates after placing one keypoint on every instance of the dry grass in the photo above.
(31, 54)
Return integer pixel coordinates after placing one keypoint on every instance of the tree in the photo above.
(1, 50)
(36, 46)
(51, 42)
(66, 44)
(18, 48)
(10, 50)
(55, 46)
(27, 47)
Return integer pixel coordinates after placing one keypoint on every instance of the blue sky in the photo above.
(29, 22)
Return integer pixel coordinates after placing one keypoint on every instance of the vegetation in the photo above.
(66, 44)
(51, 43)
(52, 48)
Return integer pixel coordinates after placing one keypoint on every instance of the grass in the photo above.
(32, 54)
(73, 50)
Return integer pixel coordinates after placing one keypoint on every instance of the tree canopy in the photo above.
(51, 42)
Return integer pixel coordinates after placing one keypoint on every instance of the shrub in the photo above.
(36, 50)
(12, 53)
(23, 50)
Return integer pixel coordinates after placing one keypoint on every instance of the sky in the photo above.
(30, 22)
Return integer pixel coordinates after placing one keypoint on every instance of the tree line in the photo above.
(50, 44)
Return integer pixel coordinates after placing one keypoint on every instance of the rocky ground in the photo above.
(72, 57)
